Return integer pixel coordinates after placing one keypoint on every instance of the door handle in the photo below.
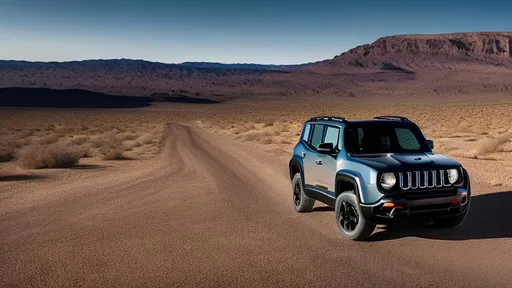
(319, 162)
(303, 154)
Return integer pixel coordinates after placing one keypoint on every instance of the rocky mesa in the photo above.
(416, 52)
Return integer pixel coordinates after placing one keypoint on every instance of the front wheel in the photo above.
(349, 218)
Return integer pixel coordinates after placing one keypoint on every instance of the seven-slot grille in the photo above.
(429, 179)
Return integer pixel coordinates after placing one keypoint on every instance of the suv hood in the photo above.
(405, 161)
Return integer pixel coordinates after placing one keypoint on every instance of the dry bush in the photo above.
(266, 140)
(238, 130)
(7, 153)
(492, 145)
(254, 135)
(50, 139)
(496, 182)
(147, 138)
(56, 155)
(132, 144)
(112, 148)
(125, 136)
(78, 139)
(95, 141)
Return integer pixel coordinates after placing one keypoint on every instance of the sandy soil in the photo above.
(214, 209)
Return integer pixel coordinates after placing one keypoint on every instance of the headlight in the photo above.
(453, 175)
(387, 180)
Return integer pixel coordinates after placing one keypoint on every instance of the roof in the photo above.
(342, 119)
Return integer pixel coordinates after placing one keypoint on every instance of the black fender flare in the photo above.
(467, 182)
(352, 177)
(296, 163)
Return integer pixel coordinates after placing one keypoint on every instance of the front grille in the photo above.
(429, 179)
(429, 194)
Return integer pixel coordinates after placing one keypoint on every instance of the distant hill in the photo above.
(416, 52)
(401, 65)
(244, 66)
(139, 77)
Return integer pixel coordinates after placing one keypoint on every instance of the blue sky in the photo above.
(229, 31)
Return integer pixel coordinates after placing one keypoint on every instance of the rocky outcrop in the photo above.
(420, 51)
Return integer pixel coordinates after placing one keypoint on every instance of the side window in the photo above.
(360, 135)
(332, 135)
(407, 139)
(318, 134)
(307, 129)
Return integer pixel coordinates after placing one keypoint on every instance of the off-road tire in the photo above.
(301, 202)
(363, 229)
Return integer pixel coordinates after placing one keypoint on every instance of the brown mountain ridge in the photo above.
(415, 52)
(401, 65)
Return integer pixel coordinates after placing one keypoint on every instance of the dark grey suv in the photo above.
(374, 171)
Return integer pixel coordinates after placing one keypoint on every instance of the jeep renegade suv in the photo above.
(374, 171)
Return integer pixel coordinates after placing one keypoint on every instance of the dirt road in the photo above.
(211, 213)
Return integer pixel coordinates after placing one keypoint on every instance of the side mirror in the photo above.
(326, 148)
(431, 144)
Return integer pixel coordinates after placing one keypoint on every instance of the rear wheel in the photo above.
(349, 218)
(301, 202)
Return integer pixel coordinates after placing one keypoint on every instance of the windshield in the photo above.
(384, 137)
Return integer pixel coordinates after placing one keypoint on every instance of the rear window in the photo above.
(307, 129)
(318, 133)
(332, 136)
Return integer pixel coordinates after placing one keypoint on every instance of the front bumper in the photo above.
(389, 208)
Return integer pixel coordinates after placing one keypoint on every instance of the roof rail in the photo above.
(327, 118)
(391, 118)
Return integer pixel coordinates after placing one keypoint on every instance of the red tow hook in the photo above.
(395, 209)
(456, 202)
(463, 198)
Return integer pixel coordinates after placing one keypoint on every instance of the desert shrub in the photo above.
(56, 155)
(147, 138)
(491, 145)
(48, 139)
(95, 141)
(112, 148)
(266, 140)
(237, 130)
(125, 136)
(253, 135)
(7, 153)
(78, 139)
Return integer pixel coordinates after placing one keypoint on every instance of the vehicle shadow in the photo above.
(88, 167)
(323, 209)
(18, 177)
(489, 217)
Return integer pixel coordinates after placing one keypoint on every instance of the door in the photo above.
(326, 164)
(309, 154)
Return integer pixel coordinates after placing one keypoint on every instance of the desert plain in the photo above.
(189, 195)
(199, 194)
